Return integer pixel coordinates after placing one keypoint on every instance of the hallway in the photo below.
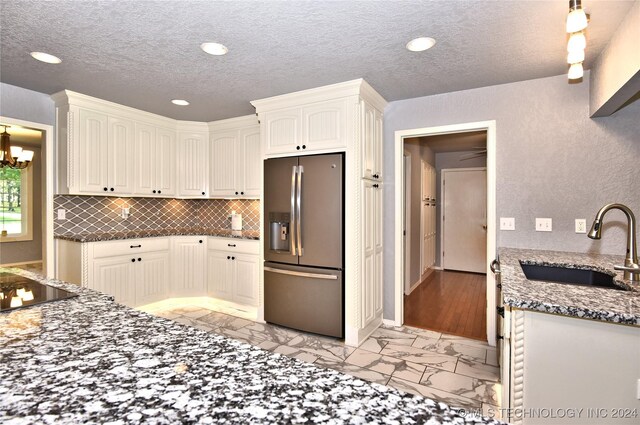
(450, 302)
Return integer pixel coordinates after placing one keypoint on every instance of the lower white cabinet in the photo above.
(189, 265)
(233, 271)
(147, 270)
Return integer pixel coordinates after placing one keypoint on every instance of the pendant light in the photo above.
(13, 156)
(577, 18)
(576, 24)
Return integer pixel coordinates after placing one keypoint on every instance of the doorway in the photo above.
(458, 295)
(26, 202)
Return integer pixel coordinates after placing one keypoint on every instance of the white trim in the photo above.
(26, 207)
(48, 179)
(407, 221)
(21, 263)
(415, 284)
(442, 204)
(490, 127)
(388, 322)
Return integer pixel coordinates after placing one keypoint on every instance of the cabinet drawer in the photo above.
(234, 245)
(129, 246)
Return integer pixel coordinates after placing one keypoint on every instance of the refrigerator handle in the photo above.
(292, 224)
(302, 274)
(299, 207)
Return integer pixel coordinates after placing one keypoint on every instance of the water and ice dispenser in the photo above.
(279, 231)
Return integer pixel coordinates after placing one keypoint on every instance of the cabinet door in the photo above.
(368, 252)
(120, 154)
(189, 266)
(249, 166)
(377, 144)
(193, 164)
(93, 152)
(115, 276)
(145, 160)
(165, 162)
(152, 277)
(224, 163)
(378, 248)
(220, 275)
(246, 281)
(324, 125)
(282, 131)
(368, 148)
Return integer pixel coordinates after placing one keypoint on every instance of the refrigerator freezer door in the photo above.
(304, 298)
(321, 210)
(279, 200)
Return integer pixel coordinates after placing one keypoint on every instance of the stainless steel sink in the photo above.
(569, 276)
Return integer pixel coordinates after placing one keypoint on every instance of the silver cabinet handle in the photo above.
(302, 274)
(292, 220)
(299, 202)
(495, 267)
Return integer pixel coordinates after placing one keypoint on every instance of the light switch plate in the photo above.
(581, 225)
(507, 223)
(62, 214)
(543, 225)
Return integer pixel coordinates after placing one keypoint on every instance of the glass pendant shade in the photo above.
(575, 71)
(576, 42)
(575, 57)
(576, 20)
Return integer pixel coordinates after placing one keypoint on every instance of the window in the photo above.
(16, 193)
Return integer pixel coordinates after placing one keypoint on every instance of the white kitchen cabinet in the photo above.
(235, 158)
(189, 255)
(233, 270)
(371, 142)
(155, 160)
(120, 175)
(193, 164)
(317, 127)
(152, 277)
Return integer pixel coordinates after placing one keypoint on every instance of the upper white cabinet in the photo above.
(155, 164)
(318, 127)
(236, 169)
(193, 170)
(372, 142)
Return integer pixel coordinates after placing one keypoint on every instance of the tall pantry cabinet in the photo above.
(345, 117)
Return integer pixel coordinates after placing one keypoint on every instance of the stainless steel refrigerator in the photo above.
(303, 243)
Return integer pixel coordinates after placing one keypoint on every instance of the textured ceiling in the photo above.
(145, 53)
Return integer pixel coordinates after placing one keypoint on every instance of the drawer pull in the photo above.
(231, 245)
(135, 246)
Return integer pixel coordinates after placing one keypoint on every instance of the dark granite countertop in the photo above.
(90, 360)
(609, 305)
(169, 231)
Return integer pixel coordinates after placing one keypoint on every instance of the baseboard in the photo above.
(414, 285)
(437, 268)
(21, 263)
(355, 337)
(389, 322)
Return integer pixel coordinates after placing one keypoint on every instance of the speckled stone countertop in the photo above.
(170, 231)
(90, 360)
(604, 304)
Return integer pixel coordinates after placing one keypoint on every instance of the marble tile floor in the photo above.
(455, 370)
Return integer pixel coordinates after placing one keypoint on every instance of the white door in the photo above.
(115, 276)
(224, 152)
(368, 141)
(427, 218)
(464, 210)
(282, 131)
(145, 161)
(250, 171)
(220, 274)
(368, 254)
(378, 248)
(93, 152)
(245, 282)
(165, 162)
(324, 125)
(121, 156)
(190, 275)
(193, 172)
(152, 277)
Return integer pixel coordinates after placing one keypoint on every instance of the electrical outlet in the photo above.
(62, 214)
(543, 224)
(507, 223)
(581, 225)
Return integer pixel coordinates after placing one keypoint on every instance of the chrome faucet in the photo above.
(631, 267)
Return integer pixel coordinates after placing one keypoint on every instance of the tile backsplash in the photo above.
(89, 214)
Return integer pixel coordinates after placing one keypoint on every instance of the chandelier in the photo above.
(13, 156)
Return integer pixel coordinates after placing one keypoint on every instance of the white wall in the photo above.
(552, 161)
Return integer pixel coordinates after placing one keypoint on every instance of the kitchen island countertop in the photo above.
(150, 233)
(90, 360)
(609, 305)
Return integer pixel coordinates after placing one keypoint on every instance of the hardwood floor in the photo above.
(450, 302)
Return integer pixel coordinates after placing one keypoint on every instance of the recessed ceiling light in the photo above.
(216, 49)
(180, 102)
(421, 44)
(45, 57)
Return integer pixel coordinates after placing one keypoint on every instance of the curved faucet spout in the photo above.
(631, 260)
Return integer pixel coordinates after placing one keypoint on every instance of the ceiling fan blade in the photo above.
(472, 156)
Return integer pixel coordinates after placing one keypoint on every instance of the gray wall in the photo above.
(18, 252)
(28, 105)
(418, 152)
(450, 160)
(552, 161)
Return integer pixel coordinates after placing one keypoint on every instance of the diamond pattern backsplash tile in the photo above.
(89, 214)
